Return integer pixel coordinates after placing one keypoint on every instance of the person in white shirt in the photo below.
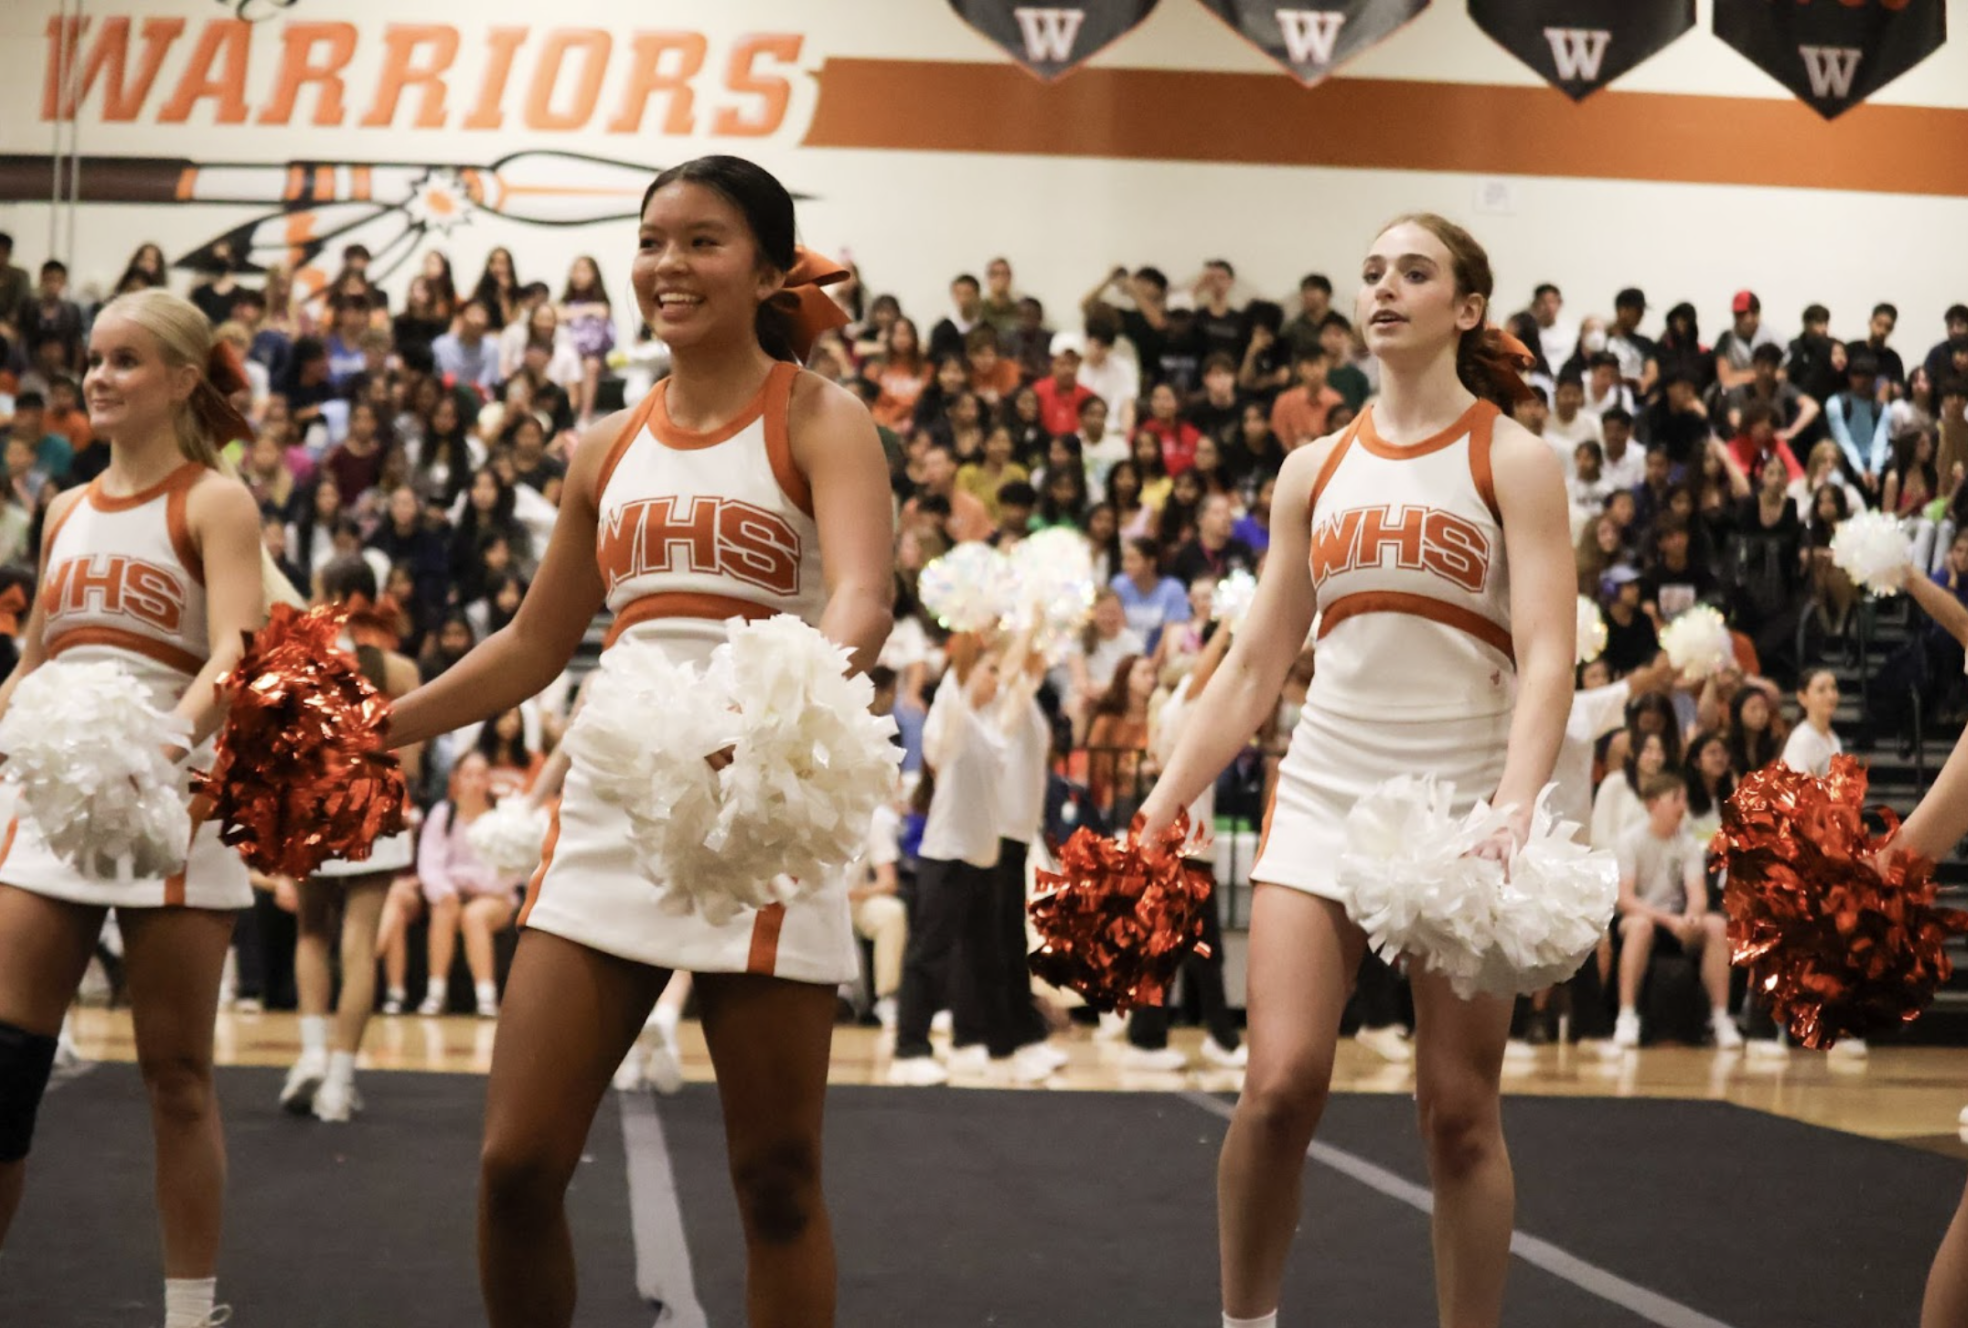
(1113, 377)
(1625, 466)
(1663, 904)
(1021, 806)
(1617, 807)
(1813, 743)
(1558, 336)
(1570, 420)
(879, 915)
(1604, 388)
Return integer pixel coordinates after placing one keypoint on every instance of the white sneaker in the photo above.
(1853, 1049)
(628, 1075)
(67, 1054)
(1727, 1036)
(303, 1082)
(1217, 1054)
(488, 1009)
(1626, 1030)
(917, 1072)
(336, 1102)
(1389, 1043)
(1517, 1049)
(1767, 1049)
(1111, 1027)
(218, 1318)
(394, 1002)
(432, 1005)
(663, 1068)
(1055, 1057)
(885, 1013)
(940, 1022)
(1027, 1065)
(973, 1059)
(1157, 1060)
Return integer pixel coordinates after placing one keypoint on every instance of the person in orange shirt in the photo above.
(65, 414)
(902, 375)
(1300, 413)
(969, 519)
(992, 376)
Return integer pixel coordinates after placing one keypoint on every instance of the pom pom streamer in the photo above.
(85, 751)
(969, 589)
(1698, 643)
(301, 771)
(1872, 548)
(508, 838)
(1053, 596)
(1838, 947)
(1235, 594)
(808, 764)
(1413, 887)
(1591, 631)
(1116, 920)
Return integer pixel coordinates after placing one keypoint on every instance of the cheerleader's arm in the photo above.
(1937, 824)
(225, 527)
(835, 447)
(1244, 690)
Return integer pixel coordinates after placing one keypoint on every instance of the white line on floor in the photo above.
(662, 1255)
(1610, 1287)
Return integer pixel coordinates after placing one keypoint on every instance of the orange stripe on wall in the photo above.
(1388, 124)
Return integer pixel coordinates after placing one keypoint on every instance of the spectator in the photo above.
(1301, 414)
(1822, 467)
(1604, 388)
(1222, 329)
(1061, 395)
(1118, 767)
(589, 318)
(1680, 353)
(53, 320)
(951, 335)
(1597, 552)
(1150, 599)
(1888, 369)
(992, 377)
(879, 914)
(1254, 526)
(1952, 422)
(1710, 784)
(1625, 464)
(267, 474)
(1254, 454)
(52, 453)
(1638, 356)
(356, 463)
(1017, 500)
(1857, 420)
(465, 896)
(1832, 593)
(1215, 552)
(1617, 807)
(999, 306)
(1100, 448)
(1267, 366)
(1940, 360)
(1175, 524)
(14, 284)
(1570, 422)
(1911, 481)
(1678, 421)
(902, 372)
(408, 539)
(1028, 341)
(533, 466)
(1347, 364)
(1756, 731)
(423, 319)
(466, 356)
(485, 518)
(1307, 326)
(1216, 413)
(983, 478)
(1587, 485)
(1174, 439)
(350, 314)
(1766, 568)
(1916, 410)
(1735, 351)
(1813, 742)
(497, 291)
(451, 642)
(1663, 904)
(1675, 580)
(1631, 639)
(1757, 438)
(968, 518)
(1113, 377)
(1793, 414)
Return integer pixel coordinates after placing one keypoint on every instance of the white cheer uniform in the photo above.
(694, 528)
(1416, 671)
(123, 582)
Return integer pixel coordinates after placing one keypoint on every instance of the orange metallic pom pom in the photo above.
(1842, 937)
(302, 772)
(1118, 919)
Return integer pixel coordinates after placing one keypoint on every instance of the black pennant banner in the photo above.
(1833, 55)
(1579, 46)
(1312, 39)
(1052, 39)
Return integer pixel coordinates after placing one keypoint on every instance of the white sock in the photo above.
(487, 992)
(398, 995)
(341, 1067)
(665, 1018)
(188, 1301)
(1261, 1321)
(437, 987)
(314, 1035)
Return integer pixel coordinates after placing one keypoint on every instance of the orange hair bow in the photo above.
(377, 623)
(810, 309)
(13, 603)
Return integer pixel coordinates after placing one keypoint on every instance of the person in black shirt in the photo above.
(1678, 422)
(1214, 552)
(1680, 352)
(967, 301)
(1675, 579)
(1220, 408)
(1255, 452)
(1940, 360)
(1631, 640)
(1267, 367)
(1892, 369)
(1815, 364)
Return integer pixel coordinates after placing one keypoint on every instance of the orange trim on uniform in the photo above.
(1419, 606)
(104, 502)
(7, 844)
(117, 638)
(177, 520)
(1327, 471)
(620, 447)
(1480, 438)
(1264, 827)
(671, 434)
(1380, 447)
(764, 956)
(547, 848)
(684, 604)
(779, 436)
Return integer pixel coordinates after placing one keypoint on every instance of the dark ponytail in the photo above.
(1490, 362)
(768, 212)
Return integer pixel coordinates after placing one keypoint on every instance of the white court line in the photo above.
(1588, 1277)
(662, 1256)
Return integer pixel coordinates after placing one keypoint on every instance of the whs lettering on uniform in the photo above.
(1832, 69)
(1418, 539)
(116, 585)
(1311, 35)
(705, 535)
(1049, 33)
(1579, 53)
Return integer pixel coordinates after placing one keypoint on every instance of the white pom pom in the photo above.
(1414, 890)
(1872, 548)
(84, 748)
(508, 838)
(1591, 631)
(969, 589)
(659, 776)
(1698, 643)
(810, 766)
(1235, 594)
(1052, 574)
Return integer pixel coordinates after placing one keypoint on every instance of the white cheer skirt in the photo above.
(392, 853)
(214, 876)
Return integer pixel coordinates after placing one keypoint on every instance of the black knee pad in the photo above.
(26, 1060)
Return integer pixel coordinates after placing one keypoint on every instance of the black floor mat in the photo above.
(367, 1225)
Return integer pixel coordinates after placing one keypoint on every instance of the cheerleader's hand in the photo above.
(1502, 843)
(1154, 817)
(720, 759)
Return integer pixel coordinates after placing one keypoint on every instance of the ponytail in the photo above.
(1492, 364)
(214, 420)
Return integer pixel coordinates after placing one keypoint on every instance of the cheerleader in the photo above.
(157, 566)
(1434, 545)
(322, 1081)
(739, 486)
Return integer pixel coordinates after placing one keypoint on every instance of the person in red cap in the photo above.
(1736, 349)
(742, 486)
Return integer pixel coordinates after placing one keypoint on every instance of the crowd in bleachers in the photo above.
(430, 432)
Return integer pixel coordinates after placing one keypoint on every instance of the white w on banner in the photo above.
(1312, 38)
(1051, 40)
(1579, 46)
(1833, 56)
